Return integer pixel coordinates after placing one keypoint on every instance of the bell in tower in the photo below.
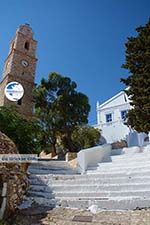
(20, 67)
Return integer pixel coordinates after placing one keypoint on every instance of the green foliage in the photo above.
(138, 81)
(85, 137)
(24, 133)
(60, 108)
(2, 222)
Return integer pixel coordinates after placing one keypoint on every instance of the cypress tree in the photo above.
(138, 82)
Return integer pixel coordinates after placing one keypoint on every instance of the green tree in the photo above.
(24, 133)
(138, 81)
(60, 108)
(85, 137)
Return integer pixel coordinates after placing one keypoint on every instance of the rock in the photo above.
(93, 209)
(7, 146)
(12, 174)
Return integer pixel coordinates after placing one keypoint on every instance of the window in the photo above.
(123, 114)
(26, 46)
(19, 102)
(108, 117)
(146, 139)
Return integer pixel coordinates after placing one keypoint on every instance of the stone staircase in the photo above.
(122, 184)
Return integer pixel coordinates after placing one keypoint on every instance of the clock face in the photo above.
(24, 63)
(14, 91)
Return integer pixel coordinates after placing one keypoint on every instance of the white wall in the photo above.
(119, 99)
(115, 130)
(92, 156)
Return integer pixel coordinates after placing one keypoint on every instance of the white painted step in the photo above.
(101, 175)
(80, 194)
(50, 171)
(138, 168)
(115, 204)
(104, 194)
(131, 172)
(89, 187)
(123, 184)
(123, 164)
(52, 163)
(138, 157)
(51, 167)
(103, 204)
(91, 180)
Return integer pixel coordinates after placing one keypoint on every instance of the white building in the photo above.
(111, 116)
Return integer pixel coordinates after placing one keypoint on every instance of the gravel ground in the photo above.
(64, 216)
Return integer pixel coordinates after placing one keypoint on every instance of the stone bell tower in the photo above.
(20, 66)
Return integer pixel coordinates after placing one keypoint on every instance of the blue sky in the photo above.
(82, 39)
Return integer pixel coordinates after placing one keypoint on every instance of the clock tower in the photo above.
(20, 66)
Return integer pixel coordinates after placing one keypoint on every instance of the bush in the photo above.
(25, 133)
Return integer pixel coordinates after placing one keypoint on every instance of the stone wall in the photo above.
(6, 145)
(13, 180)
(119, 144)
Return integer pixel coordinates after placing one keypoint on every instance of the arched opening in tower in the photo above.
(27, 45)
